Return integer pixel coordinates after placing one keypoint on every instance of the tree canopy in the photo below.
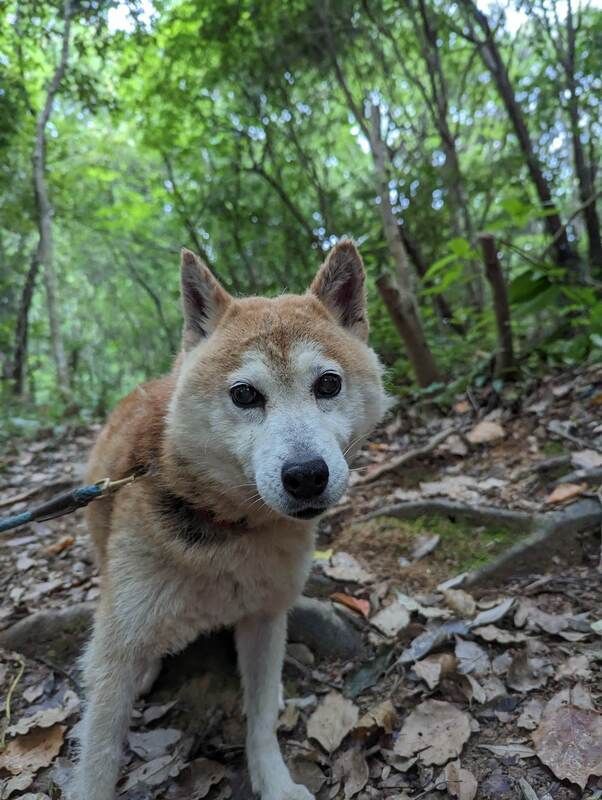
(257, 134)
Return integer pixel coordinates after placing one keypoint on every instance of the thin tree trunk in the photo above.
(492, 58)
(19, 360)
(45, 249)
(586, 186)
(504, 359)
(399, 296)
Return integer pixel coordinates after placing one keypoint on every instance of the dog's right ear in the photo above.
(204, 300)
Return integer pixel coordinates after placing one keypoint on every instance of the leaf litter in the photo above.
(503, 672)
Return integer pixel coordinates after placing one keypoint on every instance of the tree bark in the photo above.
(504, 359)
(45, 248)
(492, 59)
(399, 296)
(19, 360)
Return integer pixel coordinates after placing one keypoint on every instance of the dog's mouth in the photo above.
(308, 513)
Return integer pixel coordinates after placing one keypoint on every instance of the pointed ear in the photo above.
(204, 300)
(339, 284)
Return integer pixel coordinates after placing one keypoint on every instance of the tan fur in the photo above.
(180, 550)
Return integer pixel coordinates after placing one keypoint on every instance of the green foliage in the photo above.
(229, 127)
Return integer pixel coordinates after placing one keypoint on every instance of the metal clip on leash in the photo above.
(68, 502)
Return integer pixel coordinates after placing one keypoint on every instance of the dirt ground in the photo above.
(440, 692)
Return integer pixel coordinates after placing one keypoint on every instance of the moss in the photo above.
(462, 547)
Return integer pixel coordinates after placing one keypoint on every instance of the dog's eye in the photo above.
(246, 396)
(327, 385)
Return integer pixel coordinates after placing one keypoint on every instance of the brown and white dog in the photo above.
(246, 441)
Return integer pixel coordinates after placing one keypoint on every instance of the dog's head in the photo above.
(274, 395)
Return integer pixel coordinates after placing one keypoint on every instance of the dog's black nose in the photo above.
(305, 479)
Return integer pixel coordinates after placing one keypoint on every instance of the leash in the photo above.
(68, 502)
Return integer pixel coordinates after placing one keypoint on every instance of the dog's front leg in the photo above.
(260, 641)
(112, 676)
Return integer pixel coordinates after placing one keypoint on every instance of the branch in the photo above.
(410, 455)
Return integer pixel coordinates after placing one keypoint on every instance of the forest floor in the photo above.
(443, 691)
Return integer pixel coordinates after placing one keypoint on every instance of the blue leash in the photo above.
(68, 502)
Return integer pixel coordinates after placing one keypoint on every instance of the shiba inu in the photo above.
(244, 444)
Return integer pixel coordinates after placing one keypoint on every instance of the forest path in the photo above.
(507, 678)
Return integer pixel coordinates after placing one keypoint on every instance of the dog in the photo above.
(243, 445)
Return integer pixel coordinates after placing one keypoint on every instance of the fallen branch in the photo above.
(410, 455)
(9, 696)
(479, 515)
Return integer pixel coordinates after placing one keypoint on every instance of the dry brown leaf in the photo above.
(47, 717)
(460, 782)
(423, 545)
(486, 432)
(586, 459)
(308, 773)
(491, 633)
(197, 779)
(382, 717)
(494, 614)
(34, 750)
(472, 658)
(392, 619)
(565, 492)
(535, 619)
(332, 720)
(531, 714)
(155, 772)
(461, 602)
(64, 543)
(351, 769)
(526, 674)
(435, 731)
(155, 743)
(574, 667)
(432, 668)
(359, 606)
(569, 742)
(344, 567)
(16, 784)
(289, 718)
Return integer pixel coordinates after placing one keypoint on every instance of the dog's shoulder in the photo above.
(133, 434)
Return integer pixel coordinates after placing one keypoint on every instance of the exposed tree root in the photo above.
(549, 534)
(410, 455)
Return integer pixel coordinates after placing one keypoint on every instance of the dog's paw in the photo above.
(287, 791)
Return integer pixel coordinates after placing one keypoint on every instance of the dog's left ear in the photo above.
(204, 300)
(339, 284)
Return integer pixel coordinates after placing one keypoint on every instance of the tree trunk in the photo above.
(19, 360)
(504, 359)
(399, 296)
(586, 185)
(491, 56)
(45, 249)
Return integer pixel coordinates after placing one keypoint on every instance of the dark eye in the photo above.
(246, 396)
(327, 385)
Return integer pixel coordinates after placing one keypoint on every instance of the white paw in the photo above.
(287, 791)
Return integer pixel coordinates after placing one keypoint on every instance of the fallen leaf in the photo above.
(427, 641)
(34, 750)
(494, 614)
(428, 612)
(526, 673)
(424, 545)
(528, 791)
(351, 769)
(47, 717)
(435, 731)
(368, 674)
(485, 432)
(344, 567)
(452, 583)
(382, 717)
(460, 782)
(289, 718)
(392, 619)
(433, 668)
(307, 773)
(64, 543)
(491, 633)
(511, 750)
(152, 744)
(528, 614)
(597, 627)
(586, 459)
(569, 742)
(332, 720)
(574, 667)
(153, 713)
(461, 602)
(531, 714)
(197, 779)
(16, 784)
(565, 492)
(471, 658)
(155, 772)
(359, 606)
(462, 407)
